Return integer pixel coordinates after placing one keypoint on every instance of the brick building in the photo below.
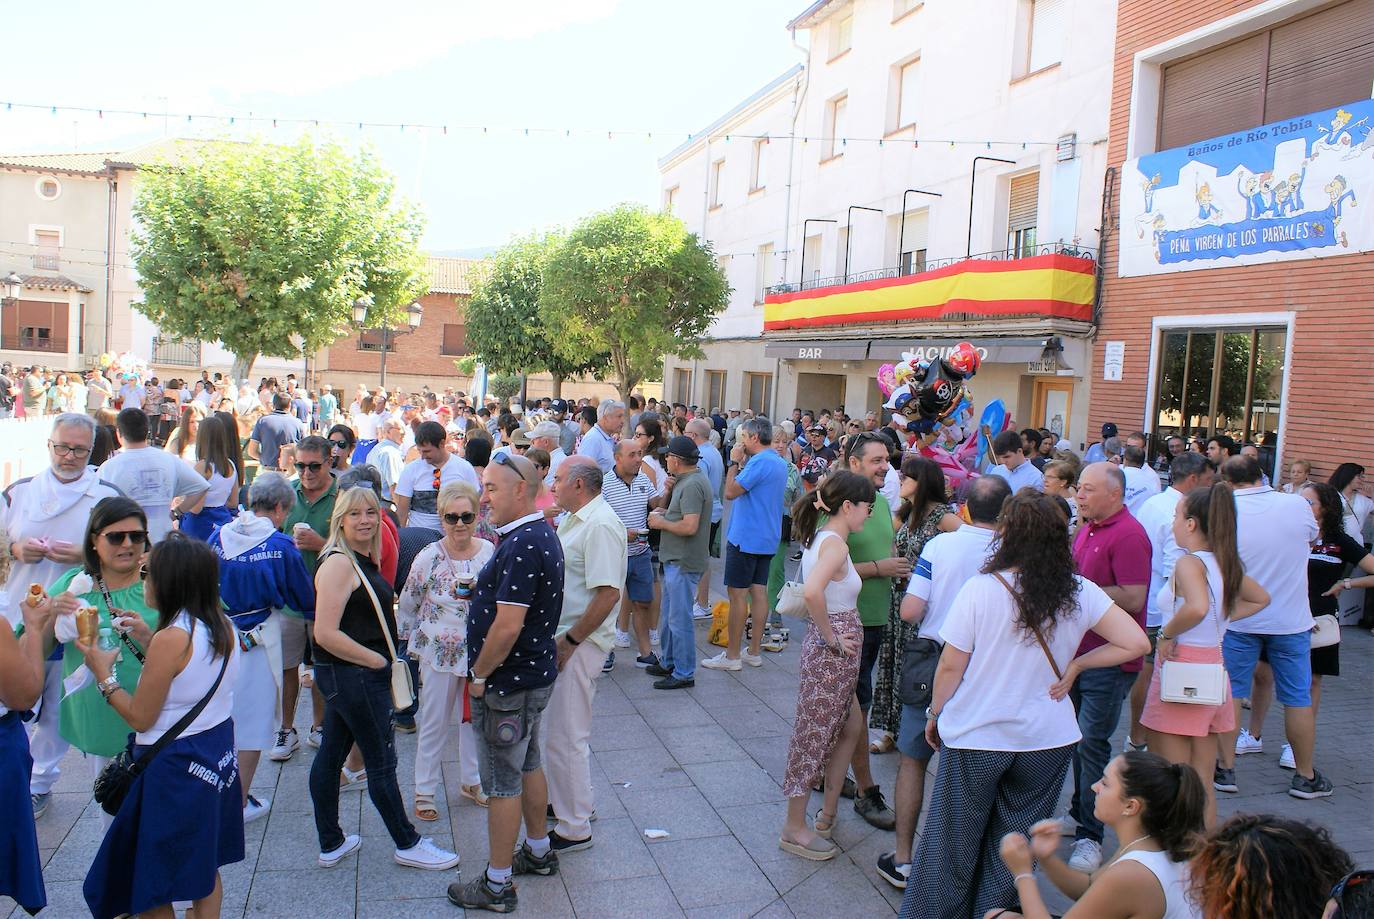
(1231, 248)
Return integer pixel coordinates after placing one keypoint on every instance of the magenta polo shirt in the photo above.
(1113, 553)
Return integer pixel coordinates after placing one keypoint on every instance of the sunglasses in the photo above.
(120, 537)
(313, 467)
(466, 518)
(505, 459)
(338, 444)
(1353, 879)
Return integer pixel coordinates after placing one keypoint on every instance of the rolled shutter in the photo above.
(1214, 93)
(1321, 61)
(1024, 205)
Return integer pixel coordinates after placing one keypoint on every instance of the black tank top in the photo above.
(359, 619)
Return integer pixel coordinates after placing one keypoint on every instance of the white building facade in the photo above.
(931, 173)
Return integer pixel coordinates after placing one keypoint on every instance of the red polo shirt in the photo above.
(1113, 553)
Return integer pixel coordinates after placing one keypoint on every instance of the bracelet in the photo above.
(572, 641)
(1162, 637)
(1023, 874)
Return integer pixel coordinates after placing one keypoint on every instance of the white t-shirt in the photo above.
(1142, 483)
(1003, 702)
(1156, 515)
(417, 483)
(1274, 534)
(945, 566)
(366, 425)
(1357, 511)
(132, 395)
(153, 477)
(892, 487)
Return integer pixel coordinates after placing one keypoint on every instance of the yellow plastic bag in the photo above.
(720, 624)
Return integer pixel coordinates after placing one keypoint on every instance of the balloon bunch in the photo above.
(126, 366)
(928, 392)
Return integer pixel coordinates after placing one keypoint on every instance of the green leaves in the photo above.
(265, 247)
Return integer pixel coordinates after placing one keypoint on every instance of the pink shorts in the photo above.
(1182, 718)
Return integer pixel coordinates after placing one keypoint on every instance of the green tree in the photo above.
(504, 387)
(506, 324)
(636, 285)
(266, 247)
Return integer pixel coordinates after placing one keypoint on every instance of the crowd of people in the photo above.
(429, 564)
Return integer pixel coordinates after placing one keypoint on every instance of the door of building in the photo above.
(1052, 402)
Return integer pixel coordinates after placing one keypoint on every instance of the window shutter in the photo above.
(455, 339)
(1047, 34)
(1214, 93)
(1025, 201)
(1321, 61)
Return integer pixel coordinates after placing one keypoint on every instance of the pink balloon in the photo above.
(886, 379)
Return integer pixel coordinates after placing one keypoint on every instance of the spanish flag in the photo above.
(1042, 285)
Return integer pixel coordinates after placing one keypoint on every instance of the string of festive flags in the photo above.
(276, 121)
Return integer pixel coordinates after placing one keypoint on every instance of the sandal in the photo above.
(474, 794)
(823, 825)
(884, 744)
(424, 807)
(818, 851)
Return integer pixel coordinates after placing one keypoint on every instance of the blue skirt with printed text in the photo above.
(361, 451)
(21, 866)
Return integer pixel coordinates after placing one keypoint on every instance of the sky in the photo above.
(589, 66)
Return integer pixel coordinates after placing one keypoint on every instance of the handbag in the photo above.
(402, 684)
(1193, 683)
(792, 600)
(1326, 631)
(113, 784)
(917, 680)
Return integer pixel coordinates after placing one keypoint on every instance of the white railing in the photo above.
(25, 450)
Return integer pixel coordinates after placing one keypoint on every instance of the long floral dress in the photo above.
(886, 713)
(432, 612)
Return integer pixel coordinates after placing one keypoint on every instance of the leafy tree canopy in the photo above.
(265, 247)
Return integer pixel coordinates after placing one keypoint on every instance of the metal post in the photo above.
(901, 227)
(386, 337)
(849, 235)
(972, 177)
(801, 283)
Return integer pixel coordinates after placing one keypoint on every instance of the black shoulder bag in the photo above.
(115, 780)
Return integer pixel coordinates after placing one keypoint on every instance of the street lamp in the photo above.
(11, 285)
(414, 313)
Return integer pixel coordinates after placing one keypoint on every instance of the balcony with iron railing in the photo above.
(177, 352)
(47, 261)
(45, 343)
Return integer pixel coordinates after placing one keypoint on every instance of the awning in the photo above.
(818, 350)
(993, 351)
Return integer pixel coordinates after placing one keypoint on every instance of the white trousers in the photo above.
(46, 745)
(439, 698)
(567, 729)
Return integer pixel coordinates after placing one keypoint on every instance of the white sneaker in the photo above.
(721, 662)
(286, 746)
(256, 808)
(1086, 857)
(349, 846)
(1286, 760)
(700, 612)
(753, 660)
(315, 737)
(653, 637)
(622, 639)
(1248, 743)
(1131, 745)
(425, 854)
(1067, 825)
(353, 781)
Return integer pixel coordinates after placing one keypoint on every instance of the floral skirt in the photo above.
(824, 693)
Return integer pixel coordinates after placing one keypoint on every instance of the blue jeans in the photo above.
(678, 651)
(1097, 696)
(357, 709)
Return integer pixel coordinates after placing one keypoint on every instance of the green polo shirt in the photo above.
(870, 544)
(317, 514)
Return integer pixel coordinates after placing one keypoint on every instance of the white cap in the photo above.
(545, 429)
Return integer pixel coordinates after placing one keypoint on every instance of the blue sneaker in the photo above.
(610, 663)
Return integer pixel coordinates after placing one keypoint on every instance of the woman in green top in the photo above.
(115, 543)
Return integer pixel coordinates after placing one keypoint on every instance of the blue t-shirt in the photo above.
(714, 467)
(272, 432)
(756, 516)
(269, 576)
(526, 570)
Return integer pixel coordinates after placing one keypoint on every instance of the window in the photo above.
(47, 188)
(723, 263)
(911, 237)
(1045, 45)
(903, 113)
(35, 338)
(841, 35)
(811, 254)
(901, 7)
(717, 169)
(682, 385)
(836, 119)
(455, 339)
(1225, 380)
(763, 269)
(758, 165)
(841, 250)
(48, 244)
(371, 340)
(1022, 208)
(670, 199)
(758, 392)
(37, 325)
(715, 389)
(1316, 62)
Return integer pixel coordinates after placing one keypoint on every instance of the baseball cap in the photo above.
(683, 447)
(520, 438)
(1108, 430)
(559, 406)
(545, 429)
(816, 429)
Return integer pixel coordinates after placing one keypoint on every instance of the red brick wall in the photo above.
(415, 353)
(1330, 406)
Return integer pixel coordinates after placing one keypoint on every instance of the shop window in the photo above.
(758, 392)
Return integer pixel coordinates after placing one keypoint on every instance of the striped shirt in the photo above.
(631, 504)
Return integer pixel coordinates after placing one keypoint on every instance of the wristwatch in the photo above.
(107, 686)
(932, 716)
(1347, 583)
(477, 680)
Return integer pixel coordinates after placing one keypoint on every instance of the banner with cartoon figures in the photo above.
(1296, 189)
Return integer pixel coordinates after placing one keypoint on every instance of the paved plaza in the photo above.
(705, 765)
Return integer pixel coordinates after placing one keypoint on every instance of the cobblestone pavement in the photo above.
(703, 764)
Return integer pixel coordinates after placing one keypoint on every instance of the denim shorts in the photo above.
(745, 569)
(911, 736)
(1290, 657)
(503, 765)
(639, 577)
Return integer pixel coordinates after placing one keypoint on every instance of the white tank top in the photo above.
(839, 595)
(1208, 632)
(1173, 878)
(367, 425)
(221, 487)
(193, 682)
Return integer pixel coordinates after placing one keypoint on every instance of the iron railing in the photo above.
(876, 274)
(179, 352)
(42, 343)
(46, 262)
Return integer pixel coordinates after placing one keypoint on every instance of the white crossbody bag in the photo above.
(1193, 683)
(402, 686)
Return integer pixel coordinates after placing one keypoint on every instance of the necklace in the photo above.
(1126, 848)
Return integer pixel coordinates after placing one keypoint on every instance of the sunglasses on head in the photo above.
(120, 537)
(505, 459)
(313, 467)
(466, 518)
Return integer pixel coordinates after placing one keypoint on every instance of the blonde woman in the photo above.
(353, 672)
(434, 611)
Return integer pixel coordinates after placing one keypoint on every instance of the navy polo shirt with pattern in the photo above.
(526, 570)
